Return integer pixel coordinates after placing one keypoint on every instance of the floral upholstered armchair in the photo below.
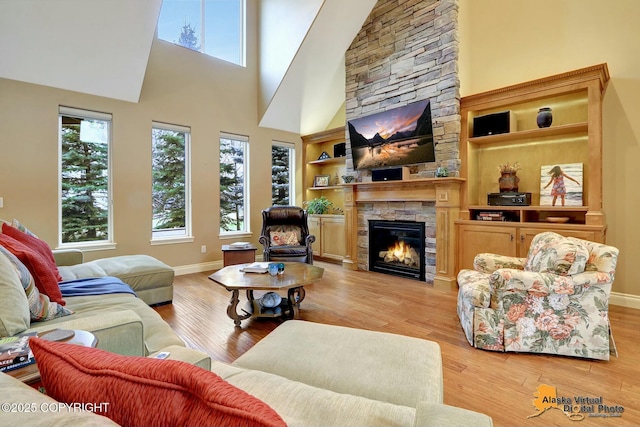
(555, 301)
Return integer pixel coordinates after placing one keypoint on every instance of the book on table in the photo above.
(240, 245)
(15, 352)
(256, 267)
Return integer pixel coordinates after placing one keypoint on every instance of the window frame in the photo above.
(292, 168)
(246, 181)
(108, 243)
(187, 237)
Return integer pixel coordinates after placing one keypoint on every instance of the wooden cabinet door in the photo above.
(314, 229)
(333, 239)
(526, 235)
(475, 239)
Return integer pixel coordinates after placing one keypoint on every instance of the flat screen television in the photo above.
(397, 137)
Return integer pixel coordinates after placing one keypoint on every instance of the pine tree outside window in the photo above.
(282, 174)
(170, 182)
(234, 184)
(85, 195)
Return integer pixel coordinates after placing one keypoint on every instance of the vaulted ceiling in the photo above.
(101, 47)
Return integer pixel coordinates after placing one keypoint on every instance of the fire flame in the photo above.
(399, 250)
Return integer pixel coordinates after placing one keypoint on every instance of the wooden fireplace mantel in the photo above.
(446, 194)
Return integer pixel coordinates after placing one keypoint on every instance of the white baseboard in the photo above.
(204, 266)
(625, 300)
(198, 268)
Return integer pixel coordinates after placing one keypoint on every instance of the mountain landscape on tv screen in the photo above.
(401, 136)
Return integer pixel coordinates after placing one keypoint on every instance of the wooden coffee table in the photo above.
(295, 276)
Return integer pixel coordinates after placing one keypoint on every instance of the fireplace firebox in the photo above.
(397, 248)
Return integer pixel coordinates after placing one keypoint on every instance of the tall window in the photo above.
(234, 184)
(213, 27)
(170, 181)
(85, 203)
(282, 173)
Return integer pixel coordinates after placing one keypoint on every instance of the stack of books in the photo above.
(256, 267)
(240, 245)
(15, 352)
(490, 216)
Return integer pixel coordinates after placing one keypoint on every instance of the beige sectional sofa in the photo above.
(122, 323)
(310, 374)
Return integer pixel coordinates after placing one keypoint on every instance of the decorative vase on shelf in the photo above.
(545, 117)
(508, 182)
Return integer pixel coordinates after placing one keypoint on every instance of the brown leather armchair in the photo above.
(285, 235)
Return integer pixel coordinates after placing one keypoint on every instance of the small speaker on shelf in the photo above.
(493, 124)
(340, 150)
(388, 174)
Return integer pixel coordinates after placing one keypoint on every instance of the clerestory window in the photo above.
(213, 27)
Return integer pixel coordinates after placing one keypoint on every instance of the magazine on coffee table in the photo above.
(15, 352)
(256, 267)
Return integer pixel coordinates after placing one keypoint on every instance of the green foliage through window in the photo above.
(169, 179)
(282, 174)
(84, 179)
(233, 183)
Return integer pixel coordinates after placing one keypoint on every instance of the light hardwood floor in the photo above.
(501, 385)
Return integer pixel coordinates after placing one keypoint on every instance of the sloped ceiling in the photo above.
(313, 87)
(91, 46)
(101, 47)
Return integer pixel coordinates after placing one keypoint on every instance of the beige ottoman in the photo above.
(381, 366)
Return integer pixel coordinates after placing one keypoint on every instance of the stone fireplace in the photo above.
(432, 201)
(407, 51)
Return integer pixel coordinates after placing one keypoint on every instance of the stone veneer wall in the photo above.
(407, 51)
(398, 211)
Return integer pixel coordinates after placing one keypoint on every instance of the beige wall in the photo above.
(504, 42)
(180, 87)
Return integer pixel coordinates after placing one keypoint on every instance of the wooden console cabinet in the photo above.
(330, 236)
(575, 136)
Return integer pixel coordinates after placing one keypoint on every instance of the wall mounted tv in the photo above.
(396, 137)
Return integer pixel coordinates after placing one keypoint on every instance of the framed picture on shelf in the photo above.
(561, 184)
(321, 181)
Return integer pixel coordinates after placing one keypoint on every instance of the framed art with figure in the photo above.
(561, 184)
(321, 181)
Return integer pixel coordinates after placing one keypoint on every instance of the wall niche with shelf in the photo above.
(575, 136)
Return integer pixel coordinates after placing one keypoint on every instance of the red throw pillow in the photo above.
(32, 242)
(45, 278)
(141, 391)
